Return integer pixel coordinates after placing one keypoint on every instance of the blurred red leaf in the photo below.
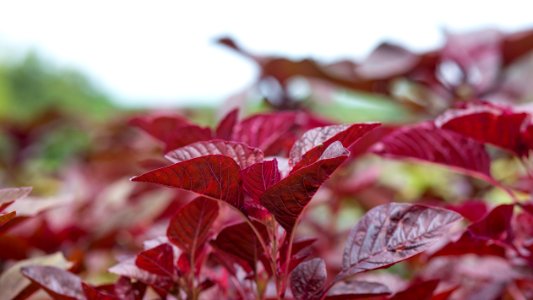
(440, 146)
(4, 218)
(8, 195)
(473, 210)
(287, 198)
(243, 155)
(308, 279)
(215, 176)
(419, 291)
(225, 128)
(392, 233)
(495, 224)
(189, 227)
(58, 283)
(357, 290)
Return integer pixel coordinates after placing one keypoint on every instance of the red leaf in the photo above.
(215, 176)
(300, 251)
(128, 268)
(487, 124)
(391, 233)
(243, 155)
(420, 291)
(495, 224)
(92, 293)
(308, 279)
(473, 210)
(158, 260)
(357, 290)
(173, 130)
(225, 127)
(189, 228)
(257, 178)
(287, 198)
(321, 137)
(59, 284)
(471, 244)
(4, 218)
(439, 146)
(240, 241)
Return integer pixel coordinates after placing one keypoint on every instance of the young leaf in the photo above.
(287, 198)
(357, 290)
(434, 145)
(308, 279)
(240, 241)
(243, 155)
(486, 123)
(58, 283)
(257, 178)
(189, 228)
(393, 232)
(215, 176)
(224, 129)
(323, 137)
(158, 260)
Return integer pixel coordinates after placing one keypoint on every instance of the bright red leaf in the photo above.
(158, 260)
(215, 176)
(224, 129)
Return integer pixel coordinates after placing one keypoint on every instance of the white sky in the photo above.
(161, 52)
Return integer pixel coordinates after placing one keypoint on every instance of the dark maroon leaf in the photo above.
(173, 130)
(487, 124)
(287, 198)
(419, 291)
(300, 251)
(224, 129)
(495, 224)
(322, 137)
(158, 260)
(243, 155)
(59, 283)
(240, 241)
(391, 233)
(440, 146)
(357, 290)
(215, 176)
(308, 279)
(257, 178)
(189, 228)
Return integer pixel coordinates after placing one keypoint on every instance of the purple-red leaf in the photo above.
(92, 293)
(322, 137)
(440, 146)
(496, 224)
(308, 279)
(357, 290)
(257, 178)
(241, 241)
(224, 129)
(487, 124)
(391, 233)
(158, 260)
(58, 283)
(215, 176)
(287, 198)
(189, 228)
(243, 155)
